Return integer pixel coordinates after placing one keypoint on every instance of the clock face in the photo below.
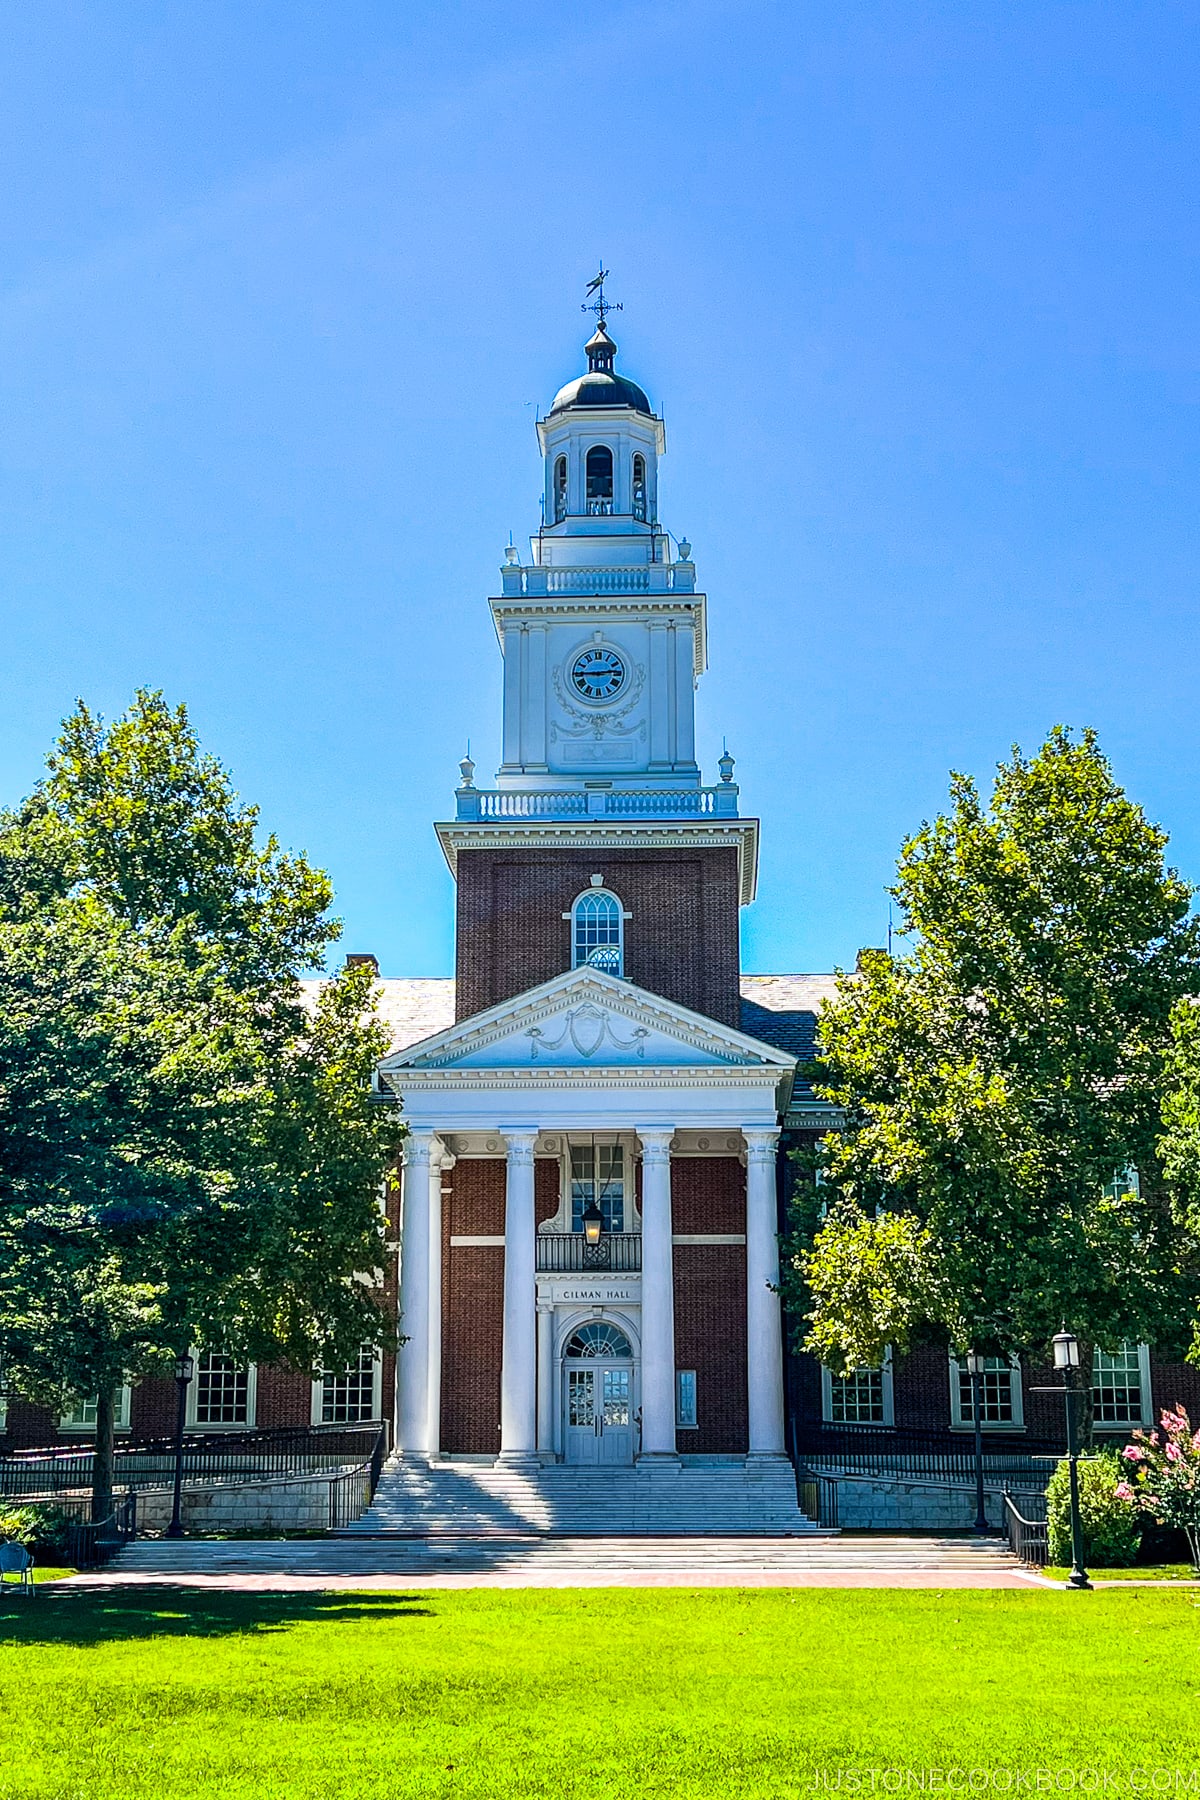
(598, 674)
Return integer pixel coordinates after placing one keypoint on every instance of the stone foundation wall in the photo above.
(266, 1506)
(866, 1505)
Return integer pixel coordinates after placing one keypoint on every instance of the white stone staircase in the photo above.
(735, 1497)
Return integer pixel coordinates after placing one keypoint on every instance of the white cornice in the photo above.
(660, 1077)
(459, 835)
(563, 609)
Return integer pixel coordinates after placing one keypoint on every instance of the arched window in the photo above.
(598, 1339)
(560, 489)
(597, 932)
(639, 487)
(599, 479)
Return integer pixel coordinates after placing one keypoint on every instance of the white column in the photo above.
(545, 1379)
(433, 1422)
(764, 1324)
(658, 1295)
(518, 1369)
(412, 1361)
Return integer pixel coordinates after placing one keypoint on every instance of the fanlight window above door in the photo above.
(598, 1339)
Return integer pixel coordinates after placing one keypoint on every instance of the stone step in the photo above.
(345, 1558)
(738, 1498)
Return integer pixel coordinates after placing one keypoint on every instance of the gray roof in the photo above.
(783, 1010)
(780, 1010)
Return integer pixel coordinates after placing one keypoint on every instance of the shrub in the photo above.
(1164, 1469)
(41, 1528)
(1111, 1532)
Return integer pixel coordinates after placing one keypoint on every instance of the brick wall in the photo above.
(473, 1308)
(708, 1194)
(681, 942)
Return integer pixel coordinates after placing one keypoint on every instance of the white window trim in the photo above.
(561, 1220)
(1147, 1418)
(682, 1424)
(889, 1410)
(1016, 1423)
(124, 1402)
(376, 1418)
(249, 1423)
(597, 892)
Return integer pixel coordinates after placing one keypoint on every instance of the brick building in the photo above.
(600, 1103)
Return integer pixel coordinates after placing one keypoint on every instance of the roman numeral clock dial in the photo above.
(598, 674)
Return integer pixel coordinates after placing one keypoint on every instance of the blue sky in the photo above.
(915, 286)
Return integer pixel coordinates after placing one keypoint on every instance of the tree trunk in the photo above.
(102, 1465)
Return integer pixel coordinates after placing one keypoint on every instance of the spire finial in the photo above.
(600, 306)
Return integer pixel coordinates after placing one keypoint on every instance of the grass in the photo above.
(610, 1694)
(1144, 1572)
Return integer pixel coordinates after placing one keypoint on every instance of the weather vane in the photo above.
(600, 306)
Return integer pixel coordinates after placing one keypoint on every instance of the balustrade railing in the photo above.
(638, 578)
(621, 803)
(563, 1253)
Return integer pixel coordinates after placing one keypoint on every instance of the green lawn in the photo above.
(612, 1694)
(1138, 1572)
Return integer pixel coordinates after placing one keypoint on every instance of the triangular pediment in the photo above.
(586, 1019)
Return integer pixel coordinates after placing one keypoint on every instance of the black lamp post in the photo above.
(1066, 1358)
(593, 1222)
(975, 1371)
(184, 1369)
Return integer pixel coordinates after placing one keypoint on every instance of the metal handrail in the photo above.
(227, 1456)
(90, 1543)
(1028, 1539)
(930, 1456)
(351, 1493)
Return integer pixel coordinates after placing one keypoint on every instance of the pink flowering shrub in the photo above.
(1164, 1471)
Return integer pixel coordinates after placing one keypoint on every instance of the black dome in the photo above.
(600, 386)
(599, 389)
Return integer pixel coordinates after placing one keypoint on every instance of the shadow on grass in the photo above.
(81, 1616)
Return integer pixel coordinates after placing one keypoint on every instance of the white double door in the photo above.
(599, 1415)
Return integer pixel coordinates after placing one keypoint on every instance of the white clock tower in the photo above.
(603, 630)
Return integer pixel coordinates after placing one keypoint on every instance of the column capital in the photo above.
(762, 1142)
(519, 1145)
(418, 1148)
(656, 1142)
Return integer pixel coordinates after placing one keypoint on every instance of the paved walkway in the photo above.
(337, 1563)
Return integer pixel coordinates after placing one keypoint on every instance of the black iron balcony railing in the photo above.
(560, 1253)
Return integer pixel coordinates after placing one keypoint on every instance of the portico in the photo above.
(517, 1088)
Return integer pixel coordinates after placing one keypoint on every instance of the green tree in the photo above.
(189, 1149)
(1000, 1075)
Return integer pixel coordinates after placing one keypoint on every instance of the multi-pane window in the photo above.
(222, 1390)
(82, 1416)
(999, 1394)
(686, 1416)
(597, 928)
(856, 1398)
(1118, 1387)
(348, 1395)
(598, 1174)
